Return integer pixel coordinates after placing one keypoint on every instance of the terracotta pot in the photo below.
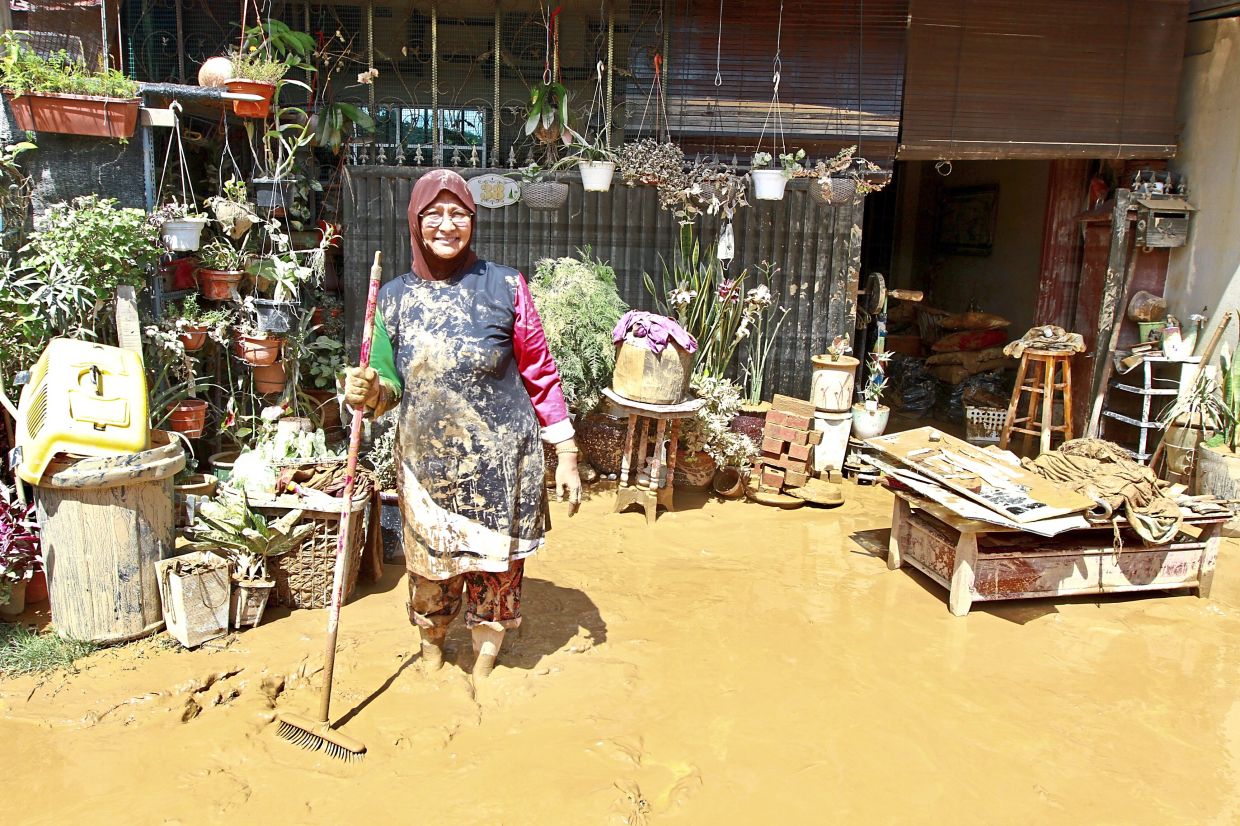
(694, 471)
(75, 114)
(194, 337)
(320, 316)
(270, 378)
(36, 588)
(601, 438)
(751, 420)
(252, 108)
(257, 352)
(189, 417)
(218, 285)
(729, 483)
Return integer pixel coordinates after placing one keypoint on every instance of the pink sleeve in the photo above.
(538, 369)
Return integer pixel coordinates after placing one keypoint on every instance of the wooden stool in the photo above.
(1042, 383)
(645, 421)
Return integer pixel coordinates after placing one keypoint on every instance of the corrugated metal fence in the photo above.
(816, 248)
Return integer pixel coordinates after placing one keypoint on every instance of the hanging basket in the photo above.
(194, 337)
(272, 193)
(90, 115)
(252, 108)
(545, 195)
(833, 191)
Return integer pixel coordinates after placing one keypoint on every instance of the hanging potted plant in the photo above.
(220, 267)
(539, 191)
(180, 226)
(267, 53)
(650, 162)
(19, 550)
(597, 165)
(768, 183)
(869, 417)
(59, 94)
(254, 347)
(194, 324)
(844, 177)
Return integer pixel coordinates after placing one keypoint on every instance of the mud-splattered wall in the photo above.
(817, 249)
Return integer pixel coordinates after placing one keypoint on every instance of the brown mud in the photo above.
(732, 664)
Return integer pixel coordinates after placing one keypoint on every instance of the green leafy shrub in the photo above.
(23, 71)
(579, 306)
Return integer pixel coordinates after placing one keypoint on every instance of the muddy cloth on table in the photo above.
(1104, 472)
(1050, 338)
(326, 477)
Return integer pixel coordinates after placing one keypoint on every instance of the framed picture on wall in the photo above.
(967, 221)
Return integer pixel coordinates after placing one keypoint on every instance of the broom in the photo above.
(317, 734)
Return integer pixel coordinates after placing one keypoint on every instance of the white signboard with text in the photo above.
(494, 191)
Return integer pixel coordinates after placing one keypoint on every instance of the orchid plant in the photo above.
(759, 328)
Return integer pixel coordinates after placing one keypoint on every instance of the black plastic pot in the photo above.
(270, 193)
(274, 316)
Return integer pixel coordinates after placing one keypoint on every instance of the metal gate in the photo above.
(817, 249)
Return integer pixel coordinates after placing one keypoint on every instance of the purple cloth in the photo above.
(652, 332)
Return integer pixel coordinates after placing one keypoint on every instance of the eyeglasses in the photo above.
(434, 219)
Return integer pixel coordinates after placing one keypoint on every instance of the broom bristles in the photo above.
(317, 736)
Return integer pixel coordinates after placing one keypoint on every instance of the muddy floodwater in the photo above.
(732, 664)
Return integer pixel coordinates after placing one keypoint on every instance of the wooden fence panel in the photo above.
(816, 248)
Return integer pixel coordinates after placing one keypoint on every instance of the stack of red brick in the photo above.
(788, 442)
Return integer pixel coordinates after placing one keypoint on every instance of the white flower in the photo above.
(270, 414)
(682, 296)
(759, 295)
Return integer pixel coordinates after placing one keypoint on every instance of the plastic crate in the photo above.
(983, 425)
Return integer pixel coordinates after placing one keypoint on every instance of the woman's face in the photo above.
(446, 226)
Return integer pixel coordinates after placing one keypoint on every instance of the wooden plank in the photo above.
(1113, 288)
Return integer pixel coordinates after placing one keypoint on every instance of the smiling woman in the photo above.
(460, 352)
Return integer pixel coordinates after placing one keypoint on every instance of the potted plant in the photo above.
(1217, 460)
(255, 347)
(19, 550)
(220, 268)
(708, 442)
(1192, 417)
(180, 226)
(228, 526)
(327, 313)
(267, 53)
(59, 94)
(539, 191)
(323, 362)
(831, 386)
(759, 329)
(842, 178)
(650, 162)
(595, 161)
(769, 183)
(194, 324)
(869, 417)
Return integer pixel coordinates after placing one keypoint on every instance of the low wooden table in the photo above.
(651, 420)
(977, 561)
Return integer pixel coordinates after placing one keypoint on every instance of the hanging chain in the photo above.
(611, 79)
(436, 148)
(718, 49)
(370, 60)
(495, 114)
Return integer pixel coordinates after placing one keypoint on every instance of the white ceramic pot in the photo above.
(596, 175)
(866, 424)
(183, 234)
(768, 184)
(831, 386)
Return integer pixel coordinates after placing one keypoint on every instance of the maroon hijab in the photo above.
(425, 263)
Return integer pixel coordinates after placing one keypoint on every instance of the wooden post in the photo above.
(1111, 307)
(1061, 242)
(899, 515)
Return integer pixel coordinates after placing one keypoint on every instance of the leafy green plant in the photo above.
(14, 196)
(759, 329)
(219, 254)
(868, 176)
(24, 71)
(382, 458)
(579, 306)
(324, 358)
(547, 117)
(710, 430)
(710, 306)
(1228, 413)
(277, 41)
(228, 526)
(79, 253)
(789, 162)
(335, 123)
(258, 67)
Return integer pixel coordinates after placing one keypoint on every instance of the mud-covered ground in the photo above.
(732, 664)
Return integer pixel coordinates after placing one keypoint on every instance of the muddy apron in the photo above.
(468, 455)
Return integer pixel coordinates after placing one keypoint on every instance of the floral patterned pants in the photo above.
(490, 599)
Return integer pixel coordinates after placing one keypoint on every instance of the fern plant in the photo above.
(579, 306)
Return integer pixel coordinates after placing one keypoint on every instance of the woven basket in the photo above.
(835, 192)
(304, 577)
(544, 194)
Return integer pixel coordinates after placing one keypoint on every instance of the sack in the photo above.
(966, 357)
(969, 340)
(974, 321)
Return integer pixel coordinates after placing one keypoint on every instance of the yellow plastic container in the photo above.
(84, 399)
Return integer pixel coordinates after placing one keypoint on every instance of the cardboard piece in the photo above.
(999, 484)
